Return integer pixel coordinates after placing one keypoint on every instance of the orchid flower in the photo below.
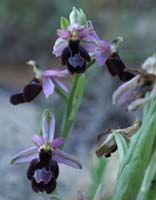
(106, 53)
(103, 48)
(75, 43)
(43, 158)
(42, 80)
(139, 90)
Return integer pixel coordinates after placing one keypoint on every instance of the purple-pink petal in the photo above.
(104, 46)
(48, 87)
(25, 156)
(125, 98)
(101, 58)
(93, 33)
(59, 46)
(52, 73)
(124, 87)
(89, 45)
(45, 130)
(57, 143)
(102, 52)
(83, 33)
(64, 34)
(37, 140)
(67, 159)
(52, 128)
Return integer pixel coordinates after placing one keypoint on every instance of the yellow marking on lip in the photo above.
(74, 36)
(46, 147)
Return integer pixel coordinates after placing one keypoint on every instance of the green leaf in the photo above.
(137, 157)
(148, 189)
(122, 144)
(64, 23)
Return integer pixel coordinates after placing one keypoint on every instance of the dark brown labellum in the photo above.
(30, 91)
(75, 57)
(116, 67)
(43, 172)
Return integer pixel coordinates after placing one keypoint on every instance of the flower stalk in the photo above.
(74, 100)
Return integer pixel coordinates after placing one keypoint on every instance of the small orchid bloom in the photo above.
(107, 54)
(42, 80)
(76, 43)
(136, 92)
(103, 48)
(43, 158)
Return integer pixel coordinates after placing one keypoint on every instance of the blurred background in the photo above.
(28, 31)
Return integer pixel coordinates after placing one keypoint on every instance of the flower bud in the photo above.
(82, 17)
(77, 16)
(73, 17)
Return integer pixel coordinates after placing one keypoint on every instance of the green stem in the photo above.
(68, 121)
(91, 63)
(72, 97)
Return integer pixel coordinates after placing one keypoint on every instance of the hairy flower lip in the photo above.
(116, 67)
(75, 57)
(30, 91)
(42, 175)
